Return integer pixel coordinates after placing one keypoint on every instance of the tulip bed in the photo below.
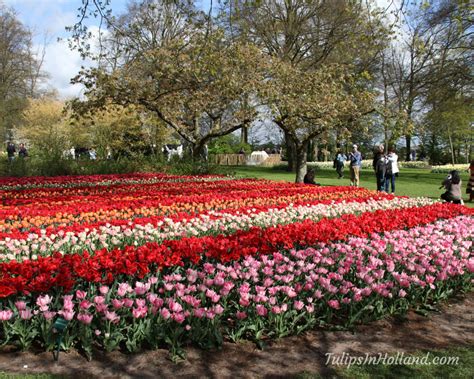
(154, 260)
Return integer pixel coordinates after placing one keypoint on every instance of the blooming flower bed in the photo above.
(142, 261)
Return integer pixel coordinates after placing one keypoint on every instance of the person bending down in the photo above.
(309, 178)
(452, 185)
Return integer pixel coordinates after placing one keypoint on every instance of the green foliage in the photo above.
(44, 165)
(229, 144)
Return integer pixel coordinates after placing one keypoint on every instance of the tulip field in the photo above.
(143, 261)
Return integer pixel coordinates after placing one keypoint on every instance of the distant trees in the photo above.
(429, 65)
(317, 69)
(20, 70)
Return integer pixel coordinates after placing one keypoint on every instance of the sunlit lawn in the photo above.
(411, 182)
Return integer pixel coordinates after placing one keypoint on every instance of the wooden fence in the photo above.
(241, 159)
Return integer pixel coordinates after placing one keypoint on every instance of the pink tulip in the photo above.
(43, 301)
(6, 315)
(178, 317)
(26, 314)
(48, 315)
(103, 290)
(261, 310)
(111, 316)
(165, 313)
(81, 294)
(67, 314)
(139, 312)
(20, 305)
(85, 304)
(117, 303)
(298, 305)
(85, 318)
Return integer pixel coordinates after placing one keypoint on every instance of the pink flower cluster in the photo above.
(331, 278)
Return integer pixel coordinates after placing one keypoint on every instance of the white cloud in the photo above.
(62, 64)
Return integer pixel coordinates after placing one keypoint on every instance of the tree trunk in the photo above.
(198, 152)
(408, 146)
(244, 135)
(290, 153)
(451, 146)
(301, 157)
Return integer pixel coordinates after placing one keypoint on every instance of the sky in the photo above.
(48, 18)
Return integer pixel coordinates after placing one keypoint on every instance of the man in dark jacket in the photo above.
(379, 164)
(11, 151)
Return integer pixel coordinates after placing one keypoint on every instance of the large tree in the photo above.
(434, 46)
(309, 34)
(309, 104)
(198, 86)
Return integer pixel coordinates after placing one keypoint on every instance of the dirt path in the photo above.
(454, 326)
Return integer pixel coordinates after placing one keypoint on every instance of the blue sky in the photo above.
(48, 19)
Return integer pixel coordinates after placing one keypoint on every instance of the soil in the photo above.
(453, 326)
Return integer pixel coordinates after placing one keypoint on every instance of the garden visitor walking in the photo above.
(355, 158)
(339, 163)
(379, 165)
(11, 151)
(392, 170)
(470, 183)
(92, 154)
(309, 177)
(452, 184)
(22, 152)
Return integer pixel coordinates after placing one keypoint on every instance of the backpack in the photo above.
(388, 166)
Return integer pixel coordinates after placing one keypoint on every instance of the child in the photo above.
(470, 183)
(452, 184)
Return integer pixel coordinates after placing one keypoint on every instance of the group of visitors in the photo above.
(11, 151)
(355, 163)
(386, 168)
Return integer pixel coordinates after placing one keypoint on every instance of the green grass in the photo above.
(463, 369)
(411, 182)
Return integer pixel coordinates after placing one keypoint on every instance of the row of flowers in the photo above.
(32, 182)
(104, 266)
(272, 295)
(104, 209)
(158, 229)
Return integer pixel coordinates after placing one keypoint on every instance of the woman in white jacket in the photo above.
(392, 170)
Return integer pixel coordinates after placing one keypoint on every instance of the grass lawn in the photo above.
(411, 182)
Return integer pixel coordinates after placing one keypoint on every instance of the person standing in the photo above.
(379, 165)
(339, 163)
(11, 151)
(92, 154)
(392, 170)
(22, 152)
(355, 158)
